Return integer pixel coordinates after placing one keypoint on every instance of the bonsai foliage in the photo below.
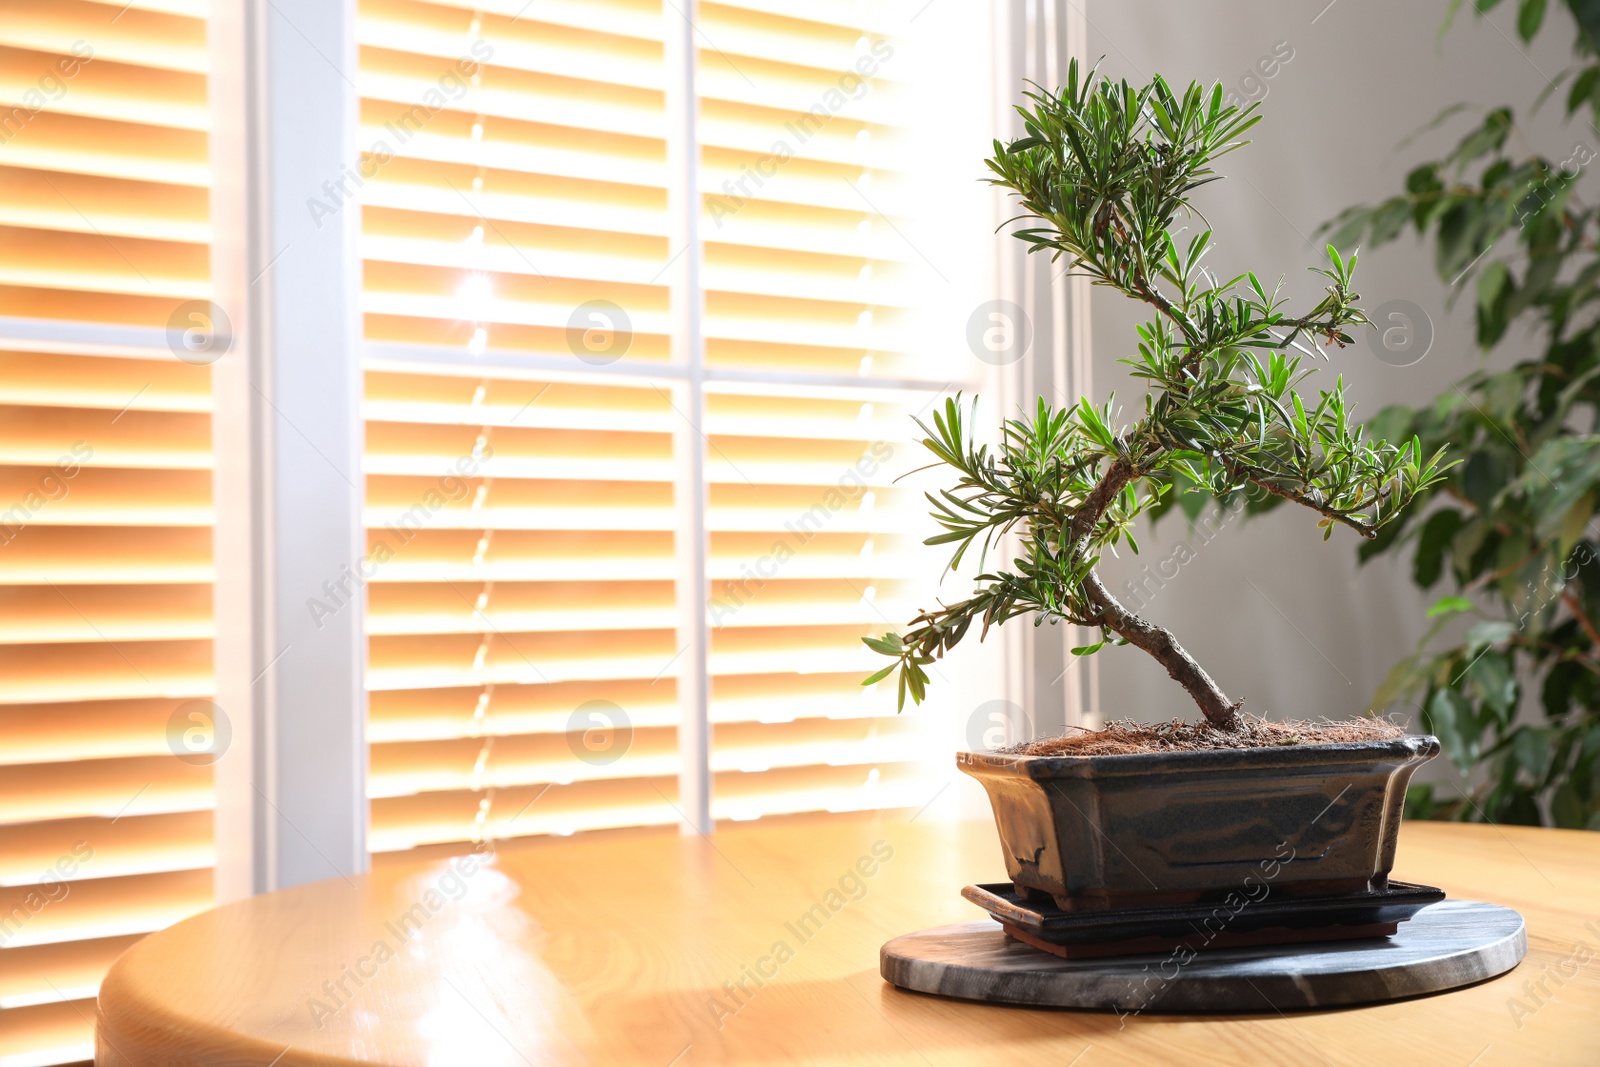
(1103, 175)
(1512, 527)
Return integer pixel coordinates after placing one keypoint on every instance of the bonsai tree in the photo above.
(1103, 174)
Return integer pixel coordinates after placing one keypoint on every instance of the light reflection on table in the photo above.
(657, 949)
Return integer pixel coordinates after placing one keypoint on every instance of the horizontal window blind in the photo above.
(105, 456)
(530, 519)
(809, 537)
(524, 658)
(803, 130)
(532, 577)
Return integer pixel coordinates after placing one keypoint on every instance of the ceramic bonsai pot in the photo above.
(1177, 827)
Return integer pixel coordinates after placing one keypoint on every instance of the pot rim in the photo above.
(1409, 747)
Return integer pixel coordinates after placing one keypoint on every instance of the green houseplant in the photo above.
(1511, 526)
(1103, 174)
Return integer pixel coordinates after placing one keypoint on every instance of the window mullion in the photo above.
(685, 272)
(290, 652)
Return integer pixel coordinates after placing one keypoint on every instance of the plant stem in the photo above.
(1115, 479)
(1156, 640)
(1160, 643)
(1259, 478)
(1578, 613)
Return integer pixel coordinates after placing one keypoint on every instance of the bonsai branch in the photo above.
(1115, 480)
(1160, 644)
(1365, 529)
(1155, 640)
(1263, 479)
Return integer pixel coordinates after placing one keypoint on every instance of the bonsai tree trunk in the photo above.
(1160, 643)
(1156, 640)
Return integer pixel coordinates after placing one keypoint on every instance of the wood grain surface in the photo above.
(760, 945)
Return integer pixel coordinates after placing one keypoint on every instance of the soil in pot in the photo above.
(1125, 736)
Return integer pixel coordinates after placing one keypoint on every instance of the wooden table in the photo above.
(760, 945)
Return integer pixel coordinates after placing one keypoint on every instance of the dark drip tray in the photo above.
(1274, 919)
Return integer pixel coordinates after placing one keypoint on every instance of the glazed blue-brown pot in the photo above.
(1176, 827)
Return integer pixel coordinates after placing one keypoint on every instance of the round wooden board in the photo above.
(1446, 945)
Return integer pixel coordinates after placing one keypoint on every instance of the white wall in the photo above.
(1364, 74)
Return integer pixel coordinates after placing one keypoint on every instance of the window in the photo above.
(529, 410)
(566, 471)
(105, 498)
